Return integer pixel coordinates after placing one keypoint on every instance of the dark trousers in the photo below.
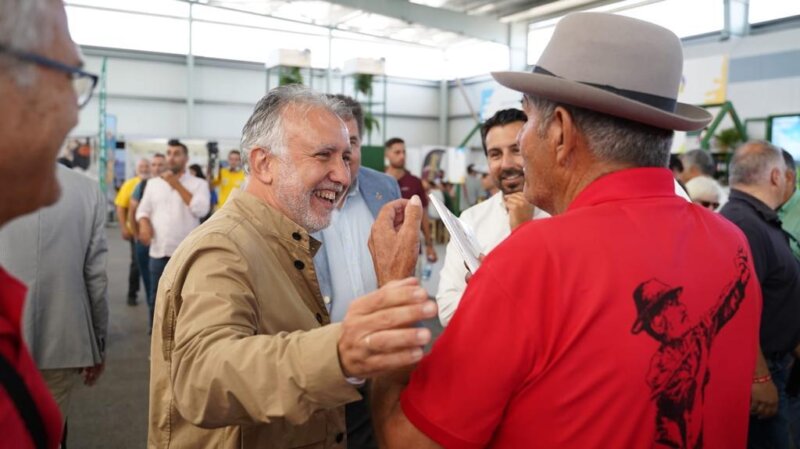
(360, 434)
(773, 433)
(143, 261)
(156, 270)
(133, 274)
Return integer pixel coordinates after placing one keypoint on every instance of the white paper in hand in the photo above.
(465, 241)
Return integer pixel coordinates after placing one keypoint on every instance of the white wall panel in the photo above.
(227, 84)
(414, 132)
(219, 121)
(144, 78)
(138, 118)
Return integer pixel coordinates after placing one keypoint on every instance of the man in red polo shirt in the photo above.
(42, 87)
(630, 319)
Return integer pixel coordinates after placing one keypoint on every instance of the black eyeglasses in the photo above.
(83, 82)
(708, 204)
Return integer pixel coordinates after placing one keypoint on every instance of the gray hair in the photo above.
(700, 159)
(266, 128)
(21, 29)
(753, 162)
(703, 188)
(611, 139)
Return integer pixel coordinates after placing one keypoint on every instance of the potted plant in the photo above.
(290, 75)
(727, 139)
(363, 84)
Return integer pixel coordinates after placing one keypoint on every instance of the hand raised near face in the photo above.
(394, 239)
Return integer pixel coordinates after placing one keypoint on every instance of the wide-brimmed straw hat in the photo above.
(615, 65)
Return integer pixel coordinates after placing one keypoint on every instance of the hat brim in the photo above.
(685, 118)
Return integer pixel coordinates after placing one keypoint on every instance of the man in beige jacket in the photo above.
(243, 352)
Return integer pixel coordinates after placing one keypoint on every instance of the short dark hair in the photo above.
(178, 143)
(675, 162)
(197, 168)
(393, 141)
(161, 155)
(234, 152)
(501, 118)
(353, 107)
(789, 159)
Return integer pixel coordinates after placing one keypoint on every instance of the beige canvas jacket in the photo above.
(243, 353)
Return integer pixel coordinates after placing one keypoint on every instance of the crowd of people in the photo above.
(607, 311)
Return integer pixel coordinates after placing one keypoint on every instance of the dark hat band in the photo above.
(656, 101)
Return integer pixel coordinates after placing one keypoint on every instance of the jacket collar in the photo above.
(270, 221)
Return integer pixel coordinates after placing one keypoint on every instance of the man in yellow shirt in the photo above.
(230, 178)
(122, 202)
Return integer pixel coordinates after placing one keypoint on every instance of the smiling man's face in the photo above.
(314, 173)
(505, 158)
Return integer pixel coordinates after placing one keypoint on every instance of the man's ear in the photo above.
(563, 133)
(262, 165)
(775, 176)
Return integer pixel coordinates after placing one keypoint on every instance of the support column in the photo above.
(518, 45)
(736, 18)
(444, 110)
(190, 79)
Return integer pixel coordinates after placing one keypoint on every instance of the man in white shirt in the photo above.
(492, 220)
(170, 209)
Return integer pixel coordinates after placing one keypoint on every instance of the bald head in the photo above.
(143, 168)
(758, 168)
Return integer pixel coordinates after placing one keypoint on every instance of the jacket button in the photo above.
(296, 235)
(339, 437)
(299, 265)
(318, 316)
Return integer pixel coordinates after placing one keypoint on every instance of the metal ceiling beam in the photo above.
(479, 27)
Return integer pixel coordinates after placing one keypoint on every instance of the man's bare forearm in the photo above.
(186, 195)
(385, 402)
(762, 369)
(132, 218)
(122, 216)
(426, 230)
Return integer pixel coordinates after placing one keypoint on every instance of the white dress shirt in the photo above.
(172, 219)
(349, 260)
(489, 223)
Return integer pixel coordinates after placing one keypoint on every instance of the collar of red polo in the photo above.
(12, 299)
(632, 183)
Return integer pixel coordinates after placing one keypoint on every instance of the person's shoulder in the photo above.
(370, 176)
(74, 179)
(739, 212)
(130, 183)
(225, 230)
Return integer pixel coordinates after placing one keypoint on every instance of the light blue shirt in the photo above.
(351, 269)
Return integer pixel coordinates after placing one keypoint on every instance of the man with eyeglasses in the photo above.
(42, 86)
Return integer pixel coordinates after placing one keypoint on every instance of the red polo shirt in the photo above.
(630, 321)
(12, 427)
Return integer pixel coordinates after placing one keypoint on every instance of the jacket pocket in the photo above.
(282, 435)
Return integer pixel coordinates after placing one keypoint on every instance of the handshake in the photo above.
(379, 332)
